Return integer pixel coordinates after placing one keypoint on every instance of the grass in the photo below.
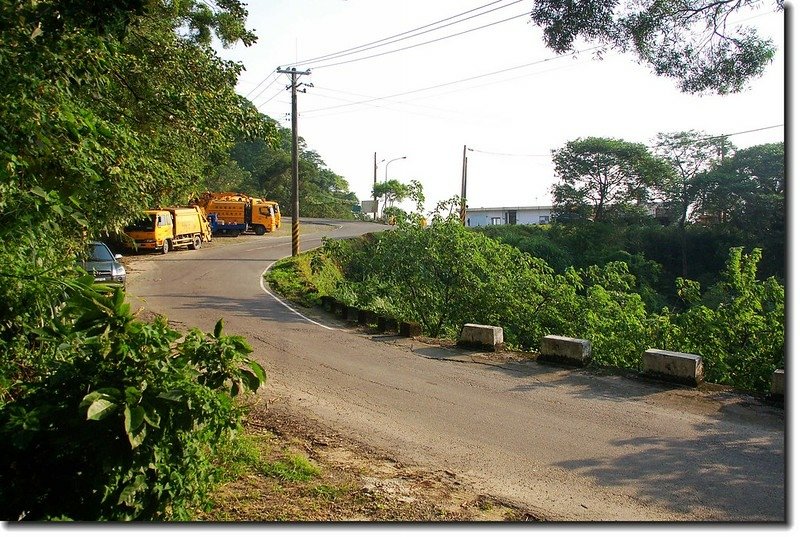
(305, 278)
(277, 474)
(293, 467)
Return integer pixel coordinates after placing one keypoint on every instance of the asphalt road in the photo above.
(566, 444)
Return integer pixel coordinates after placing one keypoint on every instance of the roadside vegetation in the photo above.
(446, 275)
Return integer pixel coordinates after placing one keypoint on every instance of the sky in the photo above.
(511, 120)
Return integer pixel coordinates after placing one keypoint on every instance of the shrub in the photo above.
(121, 421)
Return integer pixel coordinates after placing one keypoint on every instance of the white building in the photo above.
(494, 216)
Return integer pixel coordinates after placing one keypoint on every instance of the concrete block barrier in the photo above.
(352, 313)
(340, 309)
(408, 329)
(386, 324)
(565, 350)
(481, 336)
(678, 367)
(370, 317)
(778, 383)
(327, 302)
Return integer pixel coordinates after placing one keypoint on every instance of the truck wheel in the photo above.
(165, 246)
(196, 243)
(259, 229)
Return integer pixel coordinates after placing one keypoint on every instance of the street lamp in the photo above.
(386, 170)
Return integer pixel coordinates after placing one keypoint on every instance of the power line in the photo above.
(719, 136)
(740, 132)
(506, 154)
(271, 98)
(527, 13)
(264, 89)
(389, 41)
(544, 60)
(362, 48)
(353, 50)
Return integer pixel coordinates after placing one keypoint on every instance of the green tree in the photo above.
(603, 177)
(745, 193)
(391, 191)
(107, 108)
(266, 172)
(692, 41)
(690, 153)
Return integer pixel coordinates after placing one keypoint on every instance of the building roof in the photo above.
(526, 208)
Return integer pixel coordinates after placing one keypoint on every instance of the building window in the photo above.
(495, 221)
(544, 219)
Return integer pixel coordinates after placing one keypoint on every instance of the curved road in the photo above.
(565, 444)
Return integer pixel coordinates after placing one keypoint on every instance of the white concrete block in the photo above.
(565, 350)
(677, 367)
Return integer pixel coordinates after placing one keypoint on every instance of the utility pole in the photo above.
(464, 187)
(374, 184)
(295, 161)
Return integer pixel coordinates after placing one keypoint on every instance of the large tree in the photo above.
(690, 153)
(265, 170)
(106, 108)
(603, 177)
(745, 194)
(692, 41)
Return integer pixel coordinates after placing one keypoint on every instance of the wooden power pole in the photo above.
(295, 161)
(464, 187)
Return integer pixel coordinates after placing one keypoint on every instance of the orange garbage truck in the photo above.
(233, 213)
(169, 228)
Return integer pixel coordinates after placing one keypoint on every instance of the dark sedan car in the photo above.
(104, 265)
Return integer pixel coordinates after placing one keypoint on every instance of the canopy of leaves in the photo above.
(692, 41)
(108, 108)
(263, 169)
(103, 112)
(601, 177)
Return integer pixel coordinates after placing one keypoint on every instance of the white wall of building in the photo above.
(488, 216)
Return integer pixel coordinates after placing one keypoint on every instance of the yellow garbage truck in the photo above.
(169, 228)
(234, 213)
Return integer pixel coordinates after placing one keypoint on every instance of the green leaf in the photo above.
(100, 409)
(172, 395)
(134, 418)
(128, 494)
(218, 329)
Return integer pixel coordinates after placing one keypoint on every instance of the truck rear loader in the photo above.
(169, 228)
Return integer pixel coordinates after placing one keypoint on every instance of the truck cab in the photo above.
(153, 231)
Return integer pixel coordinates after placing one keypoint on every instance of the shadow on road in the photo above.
(698, 474)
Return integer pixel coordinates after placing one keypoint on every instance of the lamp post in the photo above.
(386, 170)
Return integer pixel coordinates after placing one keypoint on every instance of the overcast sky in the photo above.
(511, 120)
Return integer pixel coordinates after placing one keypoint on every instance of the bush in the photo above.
(121, 420)
(741, 337)
(445, 275)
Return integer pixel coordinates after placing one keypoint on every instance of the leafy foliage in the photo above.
(600, 178)
(120, 422)
(107, 108)
(740, 334)
(688, 40)
(265, 170)
(446, 275)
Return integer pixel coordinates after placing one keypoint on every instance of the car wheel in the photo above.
(165, 247)
(196, 242)
(260, 230)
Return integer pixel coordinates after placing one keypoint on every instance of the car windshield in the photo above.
(147, 223)
(99, 252)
